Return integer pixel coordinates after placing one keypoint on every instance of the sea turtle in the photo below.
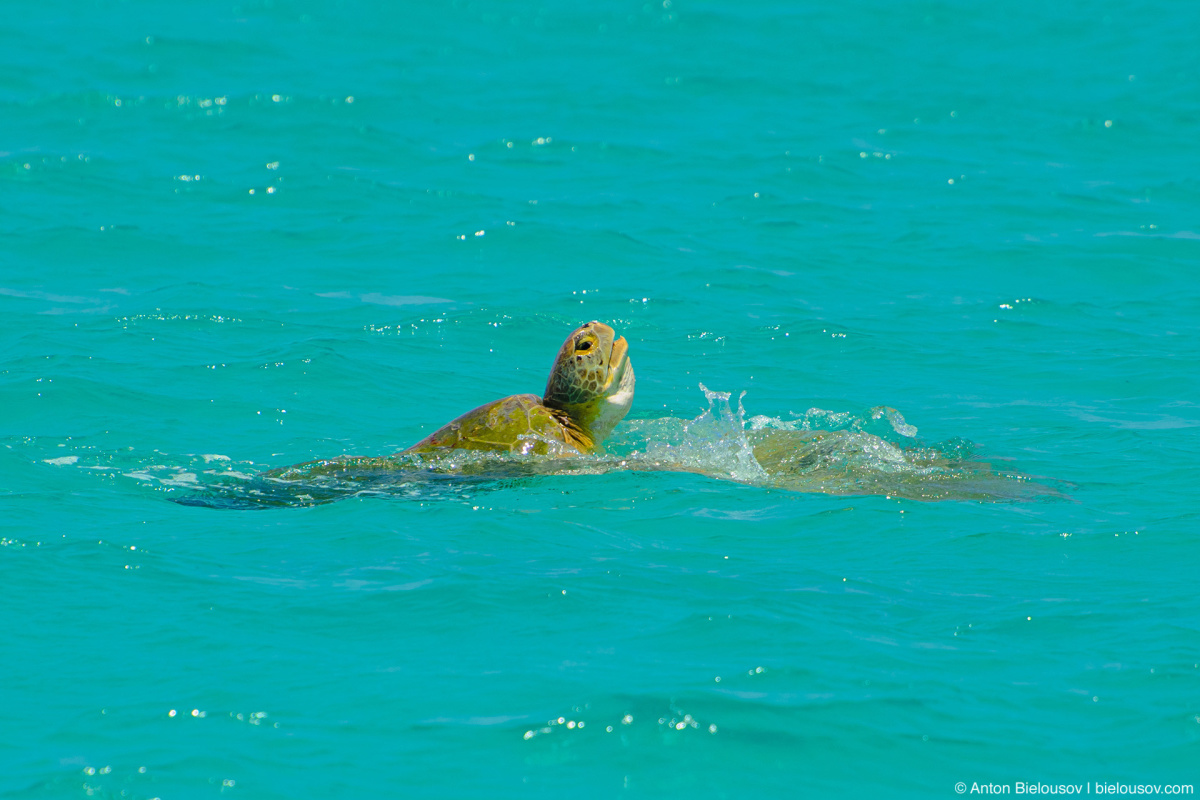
(588, 393)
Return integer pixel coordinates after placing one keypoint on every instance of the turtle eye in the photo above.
(584, 346)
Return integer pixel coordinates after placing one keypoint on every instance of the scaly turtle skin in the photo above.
(588, 393)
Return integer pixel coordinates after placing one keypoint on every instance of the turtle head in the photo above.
(592, 380)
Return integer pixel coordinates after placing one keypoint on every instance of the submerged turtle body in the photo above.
(589, 391)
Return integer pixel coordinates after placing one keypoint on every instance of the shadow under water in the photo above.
(840, 453)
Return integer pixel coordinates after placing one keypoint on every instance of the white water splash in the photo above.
(893, 416)
(714, 441)
(818, 419)
(833, 452)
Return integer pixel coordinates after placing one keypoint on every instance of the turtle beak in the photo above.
(616, 362)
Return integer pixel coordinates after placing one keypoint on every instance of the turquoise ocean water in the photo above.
(241, 236)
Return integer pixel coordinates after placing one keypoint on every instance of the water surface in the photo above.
(238, 237)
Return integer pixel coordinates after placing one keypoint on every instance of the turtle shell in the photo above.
(516, 424)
